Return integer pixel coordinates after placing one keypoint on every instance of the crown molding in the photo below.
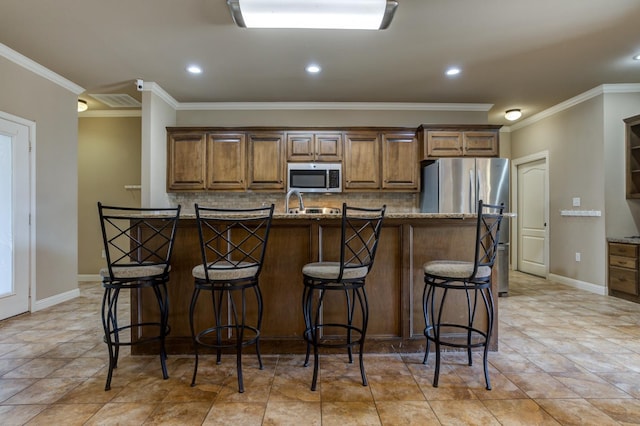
(111, 113)
(160, 92)
(36, 68)
(362, 106)
(589, 94)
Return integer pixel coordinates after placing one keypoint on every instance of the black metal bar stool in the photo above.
(233, 244)
(360, 233)
(138, 243)
(474, 279)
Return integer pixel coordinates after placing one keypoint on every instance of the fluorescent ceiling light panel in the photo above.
(327, 14)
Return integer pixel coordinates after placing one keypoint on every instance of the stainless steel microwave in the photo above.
(314, 177)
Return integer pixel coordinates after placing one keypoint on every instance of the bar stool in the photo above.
(474, 279)
(233, 244)
(138, 243)
(360, 233)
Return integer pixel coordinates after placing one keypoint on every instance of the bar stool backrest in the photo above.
(233, 238)
(487, 235)
(360, 236)
(138, 237)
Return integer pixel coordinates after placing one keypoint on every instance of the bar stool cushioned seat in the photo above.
(359, 236)
(233, 244)
(444, 328)
(138, 243)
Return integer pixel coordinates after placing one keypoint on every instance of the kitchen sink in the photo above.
(315, 210)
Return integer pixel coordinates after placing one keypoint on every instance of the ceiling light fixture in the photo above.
(194, 69)
(453, 71)
(512, 114)
(82, 105)
(313, 69)
(327, 14)
(636, 57)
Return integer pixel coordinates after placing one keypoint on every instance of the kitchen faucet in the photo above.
(286, 200)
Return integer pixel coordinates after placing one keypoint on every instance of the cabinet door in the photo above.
(362, 161)
(266, 160)
(186, 161)
(300, 146)
(480, 144)
(400, 161)
(441, 143)
(328, 147)
(226, 161)
(314, 146)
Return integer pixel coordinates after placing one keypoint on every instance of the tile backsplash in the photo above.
(398, 202)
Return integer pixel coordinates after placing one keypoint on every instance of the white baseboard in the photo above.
(54, 300)
(582, 285)
(89, 277)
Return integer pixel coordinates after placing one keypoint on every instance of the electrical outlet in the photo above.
(576, 202)
(577, 256)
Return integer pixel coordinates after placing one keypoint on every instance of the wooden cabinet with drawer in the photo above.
(623, 271)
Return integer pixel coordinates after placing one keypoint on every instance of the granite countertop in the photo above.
(388, 215)
(625, 240)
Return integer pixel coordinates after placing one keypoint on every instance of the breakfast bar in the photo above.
(394, 286)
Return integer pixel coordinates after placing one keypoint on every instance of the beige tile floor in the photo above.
(566, 357)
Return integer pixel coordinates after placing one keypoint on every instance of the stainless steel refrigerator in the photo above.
(454, 185)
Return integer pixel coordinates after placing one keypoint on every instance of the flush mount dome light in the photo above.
(327, 14)
(82, 105)
(512, 114)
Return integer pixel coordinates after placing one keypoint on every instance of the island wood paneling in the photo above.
(394, 285)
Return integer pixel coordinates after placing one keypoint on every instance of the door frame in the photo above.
(515, 163)
(31, 126)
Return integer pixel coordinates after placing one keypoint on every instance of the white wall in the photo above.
(623, 216)
(585, 140)
(52, 105)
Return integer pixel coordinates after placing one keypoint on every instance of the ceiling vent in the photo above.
(116, 100)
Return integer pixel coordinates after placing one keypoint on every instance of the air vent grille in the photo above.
(116, 100)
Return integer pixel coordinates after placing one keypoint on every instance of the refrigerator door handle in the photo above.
(480, 189)
(472, 192)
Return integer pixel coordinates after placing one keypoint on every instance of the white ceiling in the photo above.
(528, 54)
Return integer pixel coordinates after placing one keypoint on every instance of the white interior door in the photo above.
(15, 197)
(532, 220)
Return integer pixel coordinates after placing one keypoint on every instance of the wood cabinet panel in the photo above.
(400, 166)
(480, 143)
(628, 250)
(314, 146)
(624, 280)
(186, 161)
(623, 271)
(362, 161)
(459, 140)
(443, 144)
(226, 160)
(266, 167)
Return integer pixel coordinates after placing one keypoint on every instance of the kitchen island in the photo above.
(394, 285)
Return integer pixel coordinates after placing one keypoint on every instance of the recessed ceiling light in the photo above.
(313, 69)
(636, 57)
(194, 69)
(453, 71)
